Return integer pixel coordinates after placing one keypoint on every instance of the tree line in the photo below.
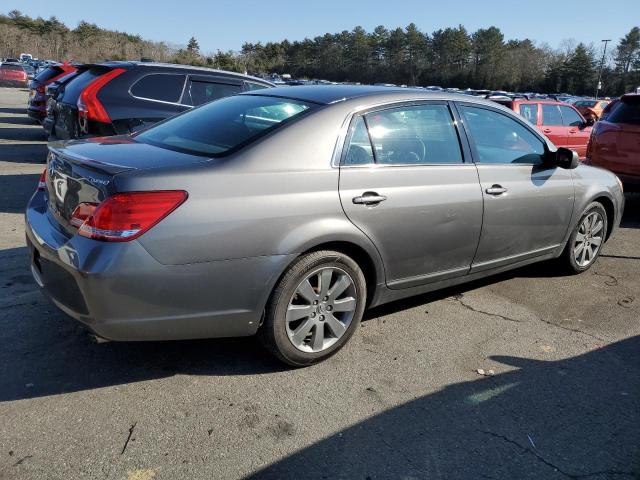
(450, 57)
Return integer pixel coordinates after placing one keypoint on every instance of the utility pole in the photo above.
(604, 53)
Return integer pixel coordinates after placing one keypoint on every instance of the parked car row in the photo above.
(113, 98)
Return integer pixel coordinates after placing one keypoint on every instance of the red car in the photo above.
(13, 75)
(37, 108)
(615, 141)
(559, 121)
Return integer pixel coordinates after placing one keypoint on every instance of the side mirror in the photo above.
(565, 158)
(589, 122)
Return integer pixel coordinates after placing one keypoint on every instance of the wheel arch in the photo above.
(609, 208)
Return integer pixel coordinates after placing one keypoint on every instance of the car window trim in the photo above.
(474, 151)
(213, 79)
(155, 99)
(465, 153)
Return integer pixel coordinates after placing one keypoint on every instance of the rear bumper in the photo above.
(120, 292)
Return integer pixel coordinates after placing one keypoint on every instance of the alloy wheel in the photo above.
(589, 239)
(321, 309)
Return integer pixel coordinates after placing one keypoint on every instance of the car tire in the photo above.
(327, 290)
(581, 250)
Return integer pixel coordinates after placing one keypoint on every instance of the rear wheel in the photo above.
(586, 241)
(315, 308)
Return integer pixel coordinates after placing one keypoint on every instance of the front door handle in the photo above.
(496, 190)
(547, 130)
(369, 198)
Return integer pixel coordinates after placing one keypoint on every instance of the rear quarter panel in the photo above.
(277, 197)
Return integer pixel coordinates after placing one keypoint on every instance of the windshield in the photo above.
(217, 128)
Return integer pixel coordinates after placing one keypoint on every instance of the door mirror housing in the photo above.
(564, 158)
(589, 122)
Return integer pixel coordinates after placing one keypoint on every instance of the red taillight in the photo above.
(125, 216)
(89, 107)
(42, 183)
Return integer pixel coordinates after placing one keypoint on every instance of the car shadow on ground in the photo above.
(573, 418)
(22, 120)
(15, 191)
(23, 152)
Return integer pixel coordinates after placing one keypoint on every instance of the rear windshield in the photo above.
(625, 111)
(47, 74)
(74, 87)
(4, 66)
(219, 127)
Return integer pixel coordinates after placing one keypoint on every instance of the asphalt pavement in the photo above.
(402, 400)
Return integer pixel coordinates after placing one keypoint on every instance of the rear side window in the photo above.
(501, 139)
(359, 151)
(414, 135)
(254, 86)
(551, 115)
(218, 128)
(625, 111)
(204, 92)
(165, 87)
(530, 112)
(570, 117)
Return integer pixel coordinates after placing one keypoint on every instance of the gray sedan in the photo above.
(286, 212)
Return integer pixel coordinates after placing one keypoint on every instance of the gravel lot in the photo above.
(402, 400)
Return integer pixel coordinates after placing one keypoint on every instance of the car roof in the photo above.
(329, 94)
(133, 63)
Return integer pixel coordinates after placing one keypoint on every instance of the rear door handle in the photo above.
(496, 190)
(547, 130)
(369, 198)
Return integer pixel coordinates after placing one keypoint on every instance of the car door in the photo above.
(408, 183)
(527, 203)
(552, 125)
(579, 133)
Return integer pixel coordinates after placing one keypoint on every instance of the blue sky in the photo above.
(227, 24)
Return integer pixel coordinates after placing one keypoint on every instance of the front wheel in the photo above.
(586, 241)
(315, 308)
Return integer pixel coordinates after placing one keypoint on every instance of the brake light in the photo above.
(42, 183)
(125, 216)
(89, 107)
(40, 89)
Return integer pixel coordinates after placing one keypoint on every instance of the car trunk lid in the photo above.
(84, 171)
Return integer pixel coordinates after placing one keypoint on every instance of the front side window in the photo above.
(570, 117)
(530, 112)
(551, 115)
(218, 128)
(204, 92)
(414, 135)
(500, 139)
(165, 87)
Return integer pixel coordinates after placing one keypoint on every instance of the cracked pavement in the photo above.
(402, 400)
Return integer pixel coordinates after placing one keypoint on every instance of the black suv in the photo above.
(114, 98)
